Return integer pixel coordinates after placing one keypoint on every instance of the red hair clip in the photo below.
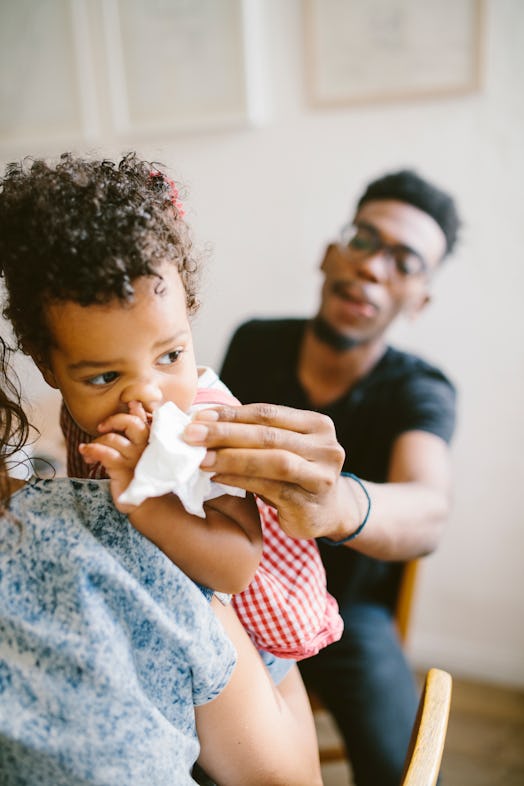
(174, 196)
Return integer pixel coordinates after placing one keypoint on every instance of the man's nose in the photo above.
(146, 391)
(375, 266)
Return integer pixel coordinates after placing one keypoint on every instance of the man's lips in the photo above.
(355, 299)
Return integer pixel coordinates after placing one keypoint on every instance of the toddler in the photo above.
(102, 303)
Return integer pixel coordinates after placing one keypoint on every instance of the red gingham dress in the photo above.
(286, 609)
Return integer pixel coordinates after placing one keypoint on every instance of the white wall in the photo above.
(270, 196)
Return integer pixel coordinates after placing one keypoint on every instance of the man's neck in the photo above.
(326, 372)
(331, 337)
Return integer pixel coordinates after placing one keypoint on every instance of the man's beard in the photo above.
(328, 335)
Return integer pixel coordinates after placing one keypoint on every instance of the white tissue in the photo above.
(168, 464)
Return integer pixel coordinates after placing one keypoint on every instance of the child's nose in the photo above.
(144, 391)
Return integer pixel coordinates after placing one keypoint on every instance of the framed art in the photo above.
(46, 79)
(359, 51)
(177, 65)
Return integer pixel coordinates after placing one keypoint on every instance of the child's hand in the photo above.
(124, 439)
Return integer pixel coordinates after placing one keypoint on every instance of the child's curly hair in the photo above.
(85, 230)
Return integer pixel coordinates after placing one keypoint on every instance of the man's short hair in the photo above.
(407, 186)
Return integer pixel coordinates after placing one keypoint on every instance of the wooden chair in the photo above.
(426, 746)
(336, 751)
(404, 605)
(428, 736)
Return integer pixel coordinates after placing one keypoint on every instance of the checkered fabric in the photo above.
(73, 435)
(286, 609)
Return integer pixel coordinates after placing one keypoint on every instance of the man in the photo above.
(394, 417)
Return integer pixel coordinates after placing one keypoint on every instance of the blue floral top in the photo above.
(105, 646)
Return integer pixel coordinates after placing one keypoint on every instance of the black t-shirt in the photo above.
(401, 393)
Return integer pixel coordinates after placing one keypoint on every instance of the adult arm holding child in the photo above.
(253, 717)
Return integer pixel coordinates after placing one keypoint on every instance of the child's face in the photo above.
(104, 356)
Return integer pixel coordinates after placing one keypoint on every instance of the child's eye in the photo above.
(169, 358)
(103, 379)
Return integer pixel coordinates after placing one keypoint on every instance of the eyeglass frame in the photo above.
(378, 245)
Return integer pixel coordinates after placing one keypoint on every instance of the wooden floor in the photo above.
(485, 741)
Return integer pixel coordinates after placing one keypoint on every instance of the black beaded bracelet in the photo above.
(362, 525)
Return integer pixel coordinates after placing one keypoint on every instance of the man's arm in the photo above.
(409, 511)
(292, 459)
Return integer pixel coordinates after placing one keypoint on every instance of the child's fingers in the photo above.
(116, 467)
(132, 426)
(116, 443)
(98, 453)
(137, 408)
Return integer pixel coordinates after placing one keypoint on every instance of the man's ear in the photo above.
(414, 308)
(330, 249)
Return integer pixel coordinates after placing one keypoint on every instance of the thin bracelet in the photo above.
(362, 525)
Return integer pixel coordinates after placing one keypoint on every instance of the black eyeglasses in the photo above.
(363, 240)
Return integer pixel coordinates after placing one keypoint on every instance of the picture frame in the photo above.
(364, 51)
(41, 45)
(176, 65)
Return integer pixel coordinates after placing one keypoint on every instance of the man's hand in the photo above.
(289, 457)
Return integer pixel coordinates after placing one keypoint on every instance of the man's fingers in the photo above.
(224, 434)
(274, 492)
(271, 415)
(261, 466)
(239, 435)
